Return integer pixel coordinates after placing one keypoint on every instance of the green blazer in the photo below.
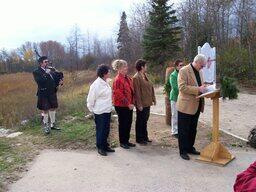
(174, 84)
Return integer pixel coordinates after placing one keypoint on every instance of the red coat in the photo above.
(246, 181)
(123, 93)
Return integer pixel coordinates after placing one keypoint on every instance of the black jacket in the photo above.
(46, 84)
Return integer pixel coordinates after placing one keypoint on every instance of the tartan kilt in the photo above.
(47, 102)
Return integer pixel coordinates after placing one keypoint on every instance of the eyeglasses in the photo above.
(46, 61)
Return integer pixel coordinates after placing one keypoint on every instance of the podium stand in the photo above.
(215, 152)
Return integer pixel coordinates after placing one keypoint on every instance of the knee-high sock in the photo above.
(52, 117)
(45, 118)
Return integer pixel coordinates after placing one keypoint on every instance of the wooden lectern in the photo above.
(215, 152)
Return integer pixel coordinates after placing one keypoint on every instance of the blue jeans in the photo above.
(102, 122)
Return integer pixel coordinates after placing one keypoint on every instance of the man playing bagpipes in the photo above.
(48, 80)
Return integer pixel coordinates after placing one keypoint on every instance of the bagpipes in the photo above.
(56, 75)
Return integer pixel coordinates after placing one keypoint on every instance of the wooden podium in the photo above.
(215, 152)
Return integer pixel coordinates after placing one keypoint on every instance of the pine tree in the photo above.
(161, 37)
(124, 40)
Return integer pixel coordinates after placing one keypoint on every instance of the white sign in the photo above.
(209, 72)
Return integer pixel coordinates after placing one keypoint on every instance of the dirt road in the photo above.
(236, 116)
(141, 169)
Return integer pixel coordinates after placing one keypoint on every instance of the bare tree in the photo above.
(74, 40)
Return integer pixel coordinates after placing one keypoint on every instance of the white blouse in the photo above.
(99, 99)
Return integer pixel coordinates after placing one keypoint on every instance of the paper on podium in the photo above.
(209, 90)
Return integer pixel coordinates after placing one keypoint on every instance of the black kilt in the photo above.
(47, 102)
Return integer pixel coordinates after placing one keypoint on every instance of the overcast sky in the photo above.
(35, 21)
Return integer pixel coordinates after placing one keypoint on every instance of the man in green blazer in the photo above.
(174, 96)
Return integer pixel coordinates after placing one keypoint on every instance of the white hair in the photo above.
(118, 63)
(200, 58)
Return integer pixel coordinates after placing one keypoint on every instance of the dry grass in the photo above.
(18, 95)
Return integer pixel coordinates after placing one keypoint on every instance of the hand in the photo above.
(61, 82)
(47, 70)
(202, 88)
(140, 108)
(131, 106)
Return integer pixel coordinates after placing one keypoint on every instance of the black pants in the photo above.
(102, 122)
(124, 123)
(187, 128)
(142, 124)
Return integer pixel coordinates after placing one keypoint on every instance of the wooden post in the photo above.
(168, 110)
(215, 152)
(215, 119)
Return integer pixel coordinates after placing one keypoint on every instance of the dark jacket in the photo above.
(46, 84)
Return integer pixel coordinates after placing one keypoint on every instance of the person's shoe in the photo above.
(102, 152)
(142, 142)
(110, 150)
(47, 129)
(131, 144)
(148, 140)
(53, 126)
(194, 152)
(125, 146)
(175, 136)
(185, 156)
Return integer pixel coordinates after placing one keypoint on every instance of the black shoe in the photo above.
(125, 146)
(175, 136)
(110, 150)
(148, 140)
(142, 142)
(131, 144)
(102, 152)
(55, 128)
(185, 156)
(194, 152)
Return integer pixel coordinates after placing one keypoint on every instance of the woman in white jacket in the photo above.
(99, 102)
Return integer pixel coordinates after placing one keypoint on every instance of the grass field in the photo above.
(18, 102)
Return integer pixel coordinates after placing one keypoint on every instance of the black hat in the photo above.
(41, 59)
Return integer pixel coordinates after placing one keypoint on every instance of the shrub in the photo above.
(229, 88)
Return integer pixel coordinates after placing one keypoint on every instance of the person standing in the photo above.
(99, 102)
(178, 64)
(190, 83)
(123, 100)
(144, 98)
(47, 94)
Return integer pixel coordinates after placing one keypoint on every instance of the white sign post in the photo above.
(209, 72)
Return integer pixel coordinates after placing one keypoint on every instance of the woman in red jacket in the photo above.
(246, 181)
(123, 100)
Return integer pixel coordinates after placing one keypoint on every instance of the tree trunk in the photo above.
(168, 110)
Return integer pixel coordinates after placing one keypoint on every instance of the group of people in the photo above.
(125, 95)
(138, 92)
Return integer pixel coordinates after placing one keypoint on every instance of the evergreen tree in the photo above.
(124, 40)
(161, 37)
